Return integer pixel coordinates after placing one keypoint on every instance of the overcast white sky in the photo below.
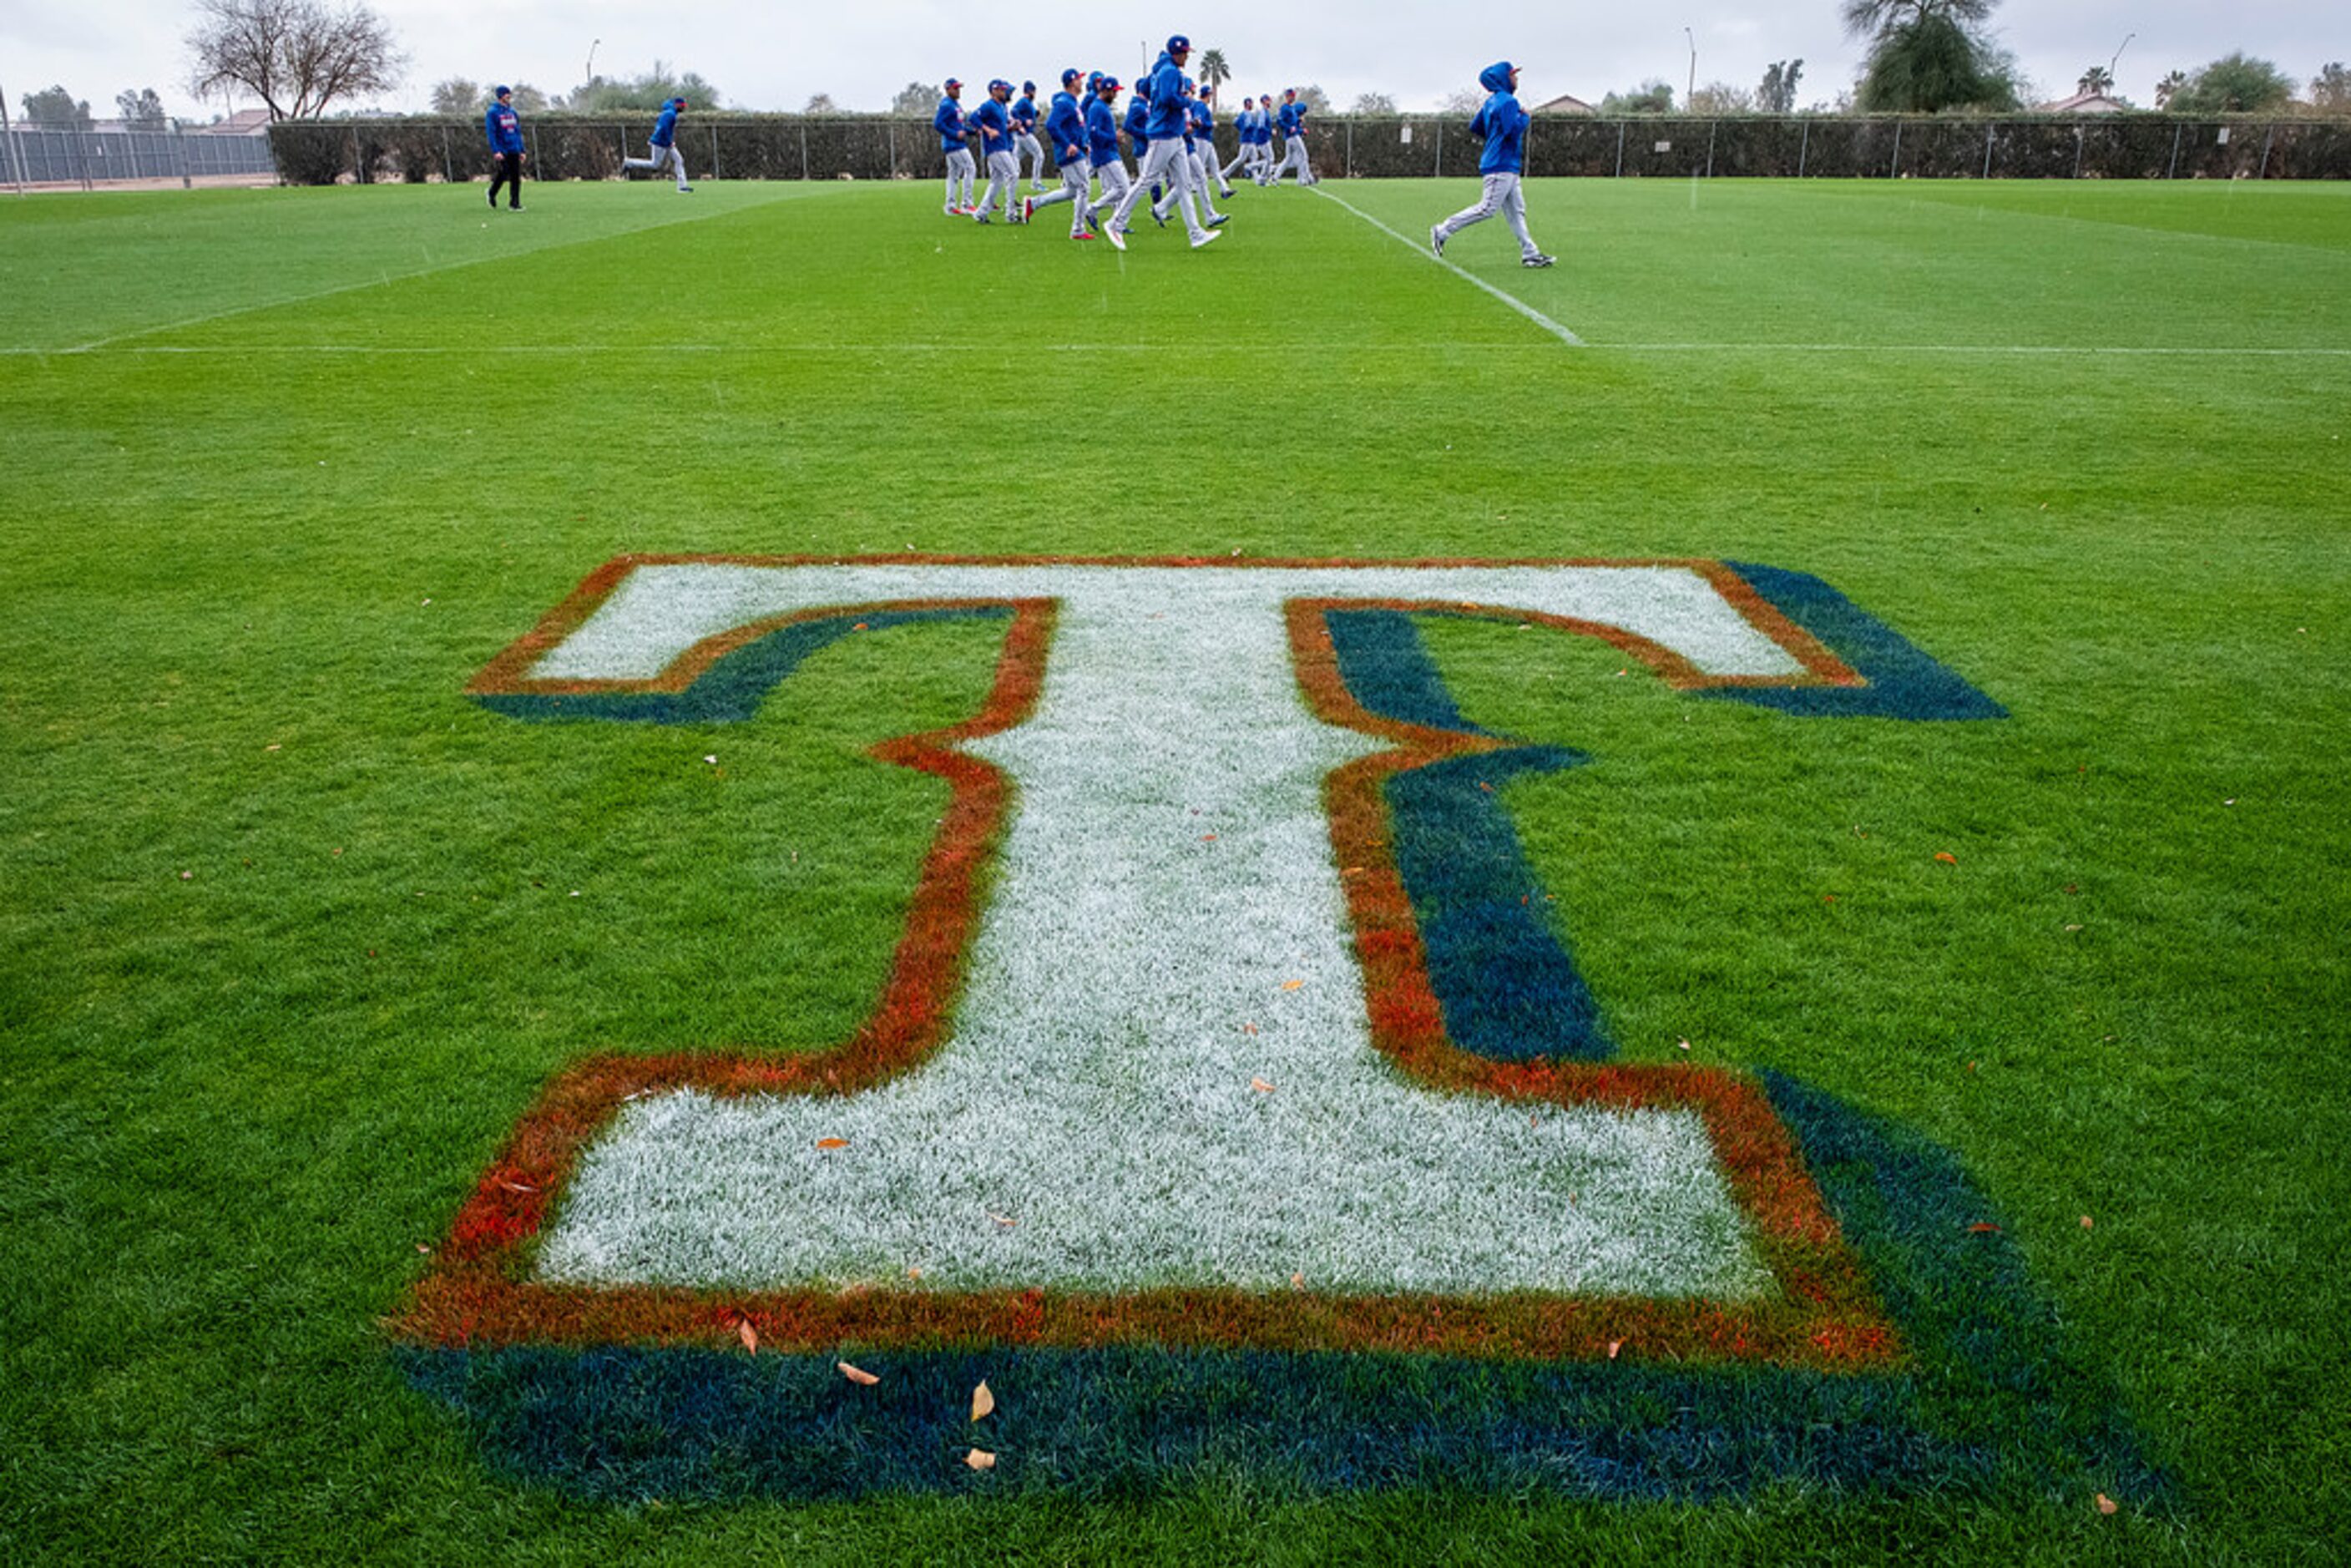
(761, 55)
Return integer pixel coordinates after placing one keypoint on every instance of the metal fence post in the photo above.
(179, 145)
(714, 149)
(448, 159)
(1440, 149)
(1895, 173)
(1803, 147)
(1620, 149)
(2267, 138)
(1988, 133)
(804, 162)
(2081, 139)
(2177, 132)
(893, 149)
(1710, 147)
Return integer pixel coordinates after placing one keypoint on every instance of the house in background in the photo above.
(2084, 104)
(1564, 104)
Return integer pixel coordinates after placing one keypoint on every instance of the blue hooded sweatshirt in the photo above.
(503, 126)
(666, 128)
(1290, 117)
(1138, 116)
(948, 123)
(995, 127)
(1024, 114)
(1101, 130)
(1501, 123)
(1204, 127)
(1066, 128)
(1167, 112)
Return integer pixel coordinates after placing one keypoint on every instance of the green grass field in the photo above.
(292, 932)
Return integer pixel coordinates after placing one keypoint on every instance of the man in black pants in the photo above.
(504, 127)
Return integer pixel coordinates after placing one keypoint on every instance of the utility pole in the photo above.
(591, 61)
(2118, 55)
(8, 134)
(1692, 91)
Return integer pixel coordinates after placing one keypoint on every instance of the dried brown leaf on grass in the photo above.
(749, 1335)
(857, 1375)
(982, 1401)
(981, 1459)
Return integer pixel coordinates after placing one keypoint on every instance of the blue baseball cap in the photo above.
(1069, 76)
(1179, 44)
(1027, 87)
(500, 91)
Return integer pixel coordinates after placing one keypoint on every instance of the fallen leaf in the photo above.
(2106, 1504)
(1006, 1220)
(1261, 1085)
(1298, 1281)
(982, 1401)
(913, 1273)
(275, 747)
(1947, 857)
(1292, 985)
(2085, 1222)
(857, 1375)
(423, 1250)
(749, 1335)
(859, 627)
(1982, 1227)
(981, 1459)
(1683, 1044)
(1248, 1028)
(1614, 1346)
(1208, 838)
(1828, 898)
(187, 877)
(833, 1143)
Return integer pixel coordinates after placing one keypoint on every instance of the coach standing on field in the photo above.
(503, 126)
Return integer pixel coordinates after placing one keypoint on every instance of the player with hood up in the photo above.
(1101, 144)
(666, 157)
(1065, 124)
(1204, 145)
(1166, 163)
(1031, 151)
(1502, 123)
(955, 140)
(993, 120)
(1244, 130)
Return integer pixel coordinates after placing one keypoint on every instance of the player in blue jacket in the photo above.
(1245, 134)
(1204, 143)
(1291, 120)
(1030, 150)
(503, 126)
(955, 139)
(1065, 127)
(993, 122)
(1101, 146)
(1166, 163)
(1197, 134)
(666, 157)
(1501, 124)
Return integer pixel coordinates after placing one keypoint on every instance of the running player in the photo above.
(1291, 118)
(1195, 167)
(993, 120)
(1101, 146)
(1244, 130)
(1204, 143)
(955, 138)
(666, 157)
(1166, 164)
(1065, 126)
(1501, 124)
(1031, 151)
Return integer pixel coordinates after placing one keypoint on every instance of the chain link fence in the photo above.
(791, 147)
(40, 153)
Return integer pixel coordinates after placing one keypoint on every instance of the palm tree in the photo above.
(2095, 81)
(2168, 86)
(1876, 19)
(1213, 69)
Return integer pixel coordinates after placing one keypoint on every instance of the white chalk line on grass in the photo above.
(753, 350)
(1520, 306)
(699, 215)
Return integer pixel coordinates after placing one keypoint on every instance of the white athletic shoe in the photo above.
(1117, 239)
(1436, 241)
(1208, 237)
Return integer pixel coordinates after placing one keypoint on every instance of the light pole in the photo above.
(1692, 91)
(591, 60)
(2118, 55)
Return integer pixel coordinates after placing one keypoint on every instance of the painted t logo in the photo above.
(1174, 1064)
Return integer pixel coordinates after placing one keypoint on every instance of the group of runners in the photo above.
(1170, 126)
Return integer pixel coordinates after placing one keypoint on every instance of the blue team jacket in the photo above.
(1138, 115)
(503, 126)
(1168, 112)
(1292, 118)
(1102, 131)
(1066, 128)
(1501, 123)
(666, 128)
(995, 127)
(948, 123)
(1024, 113)
(1204, 127)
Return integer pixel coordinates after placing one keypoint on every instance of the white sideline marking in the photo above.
(1520, 306)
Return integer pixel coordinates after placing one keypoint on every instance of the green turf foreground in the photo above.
(292, 932)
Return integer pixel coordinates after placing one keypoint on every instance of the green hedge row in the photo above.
(790, 147)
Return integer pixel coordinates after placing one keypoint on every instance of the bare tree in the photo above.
(1462, 100)
(458, 95)
(820, 103)
(916, 101)
(1373, 106)
(295, 55)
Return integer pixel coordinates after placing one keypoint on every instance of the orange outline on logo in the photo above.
(478, 1292)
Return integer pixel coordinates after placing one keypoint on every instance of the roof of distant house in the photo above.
(244, 123)
(1565, 103)
(2085, 104)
